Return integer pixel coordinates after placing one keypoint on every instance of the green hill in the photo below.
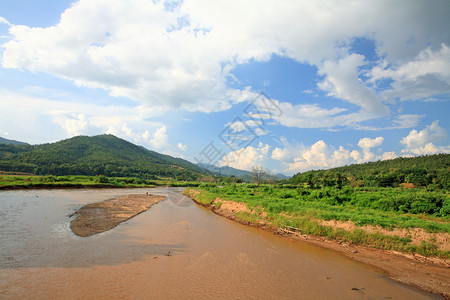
(11, 142)
(422, 171)
(98, 155)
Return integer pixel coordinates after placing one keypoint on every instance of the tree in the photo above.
(310, 180)
(258, 175)
(340, 180)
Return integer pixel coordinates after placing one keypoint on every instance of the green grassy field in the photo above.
(79, 181)
(306, 209)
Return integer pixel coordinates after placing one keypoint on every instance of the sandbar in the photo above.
(102, 216)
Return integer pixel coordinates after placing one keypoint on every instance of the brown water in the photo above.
(175, 250)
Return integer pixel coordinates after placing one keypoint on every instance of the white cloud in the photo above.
(182, 147)
(129, 50)
(342, 81)
(318, 156)
(313, 116)
(422, 142)
(389, 155)
(398, 122)
(307, 115)
(72, 123)
(4, 21)
(284, 154)
(427, 75)
(158, 139)
(247, 157)
(366, 144)
(68, 118)
(240, 125)
(322, 156)
(182, 57)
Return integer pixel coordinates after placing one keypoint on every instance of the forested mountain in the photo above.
(423, 171)
(11, 142)
(98, 155)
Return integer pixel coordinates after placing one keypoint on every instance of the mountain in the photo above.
(11, 142)
(98, 155)
(226, 171)
(229, 171)
(281, 176)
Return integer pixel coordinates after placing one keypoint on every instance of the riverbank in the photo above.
(99, 217)
(28, 181)
(427, 273)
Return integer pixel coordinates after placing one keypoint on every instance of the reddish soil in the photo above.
(408, 185)
(417, 235)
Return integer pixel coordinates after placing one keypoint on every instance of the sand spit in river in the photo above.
(102, 216)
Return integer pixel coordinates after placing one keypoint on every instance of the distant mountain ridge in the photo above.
(230, 171)
(11, 142)
(98, 155)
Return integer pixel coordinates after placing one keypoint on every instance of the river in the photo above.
(175, 250)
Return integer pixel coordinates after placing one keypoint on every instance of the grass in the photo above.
(305, 209)
(79, 181)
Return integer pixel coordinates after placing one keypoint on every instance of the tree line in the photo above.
(431, 171)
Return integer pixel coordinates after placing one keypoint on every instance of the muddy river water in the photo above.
(175, 250)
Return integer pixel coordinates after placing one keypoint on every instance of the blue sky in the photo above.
(291, 86)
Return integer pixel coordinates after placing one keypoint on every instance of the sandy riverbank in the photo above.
(429, 274)
(102, 216)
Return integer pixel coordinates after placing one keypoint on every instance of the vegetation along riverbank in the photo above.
(11, 181)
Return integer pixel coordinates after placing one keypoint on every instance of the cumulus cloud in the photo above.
(158, 139)
(342, 81)
(320, 155)
(69, 118)
(426, 75)
(317, 156)
(181, 56)
(423, 142)
(247, 157)
(366, 144)
(286, 153)
(72, 123)
(389, 155)
(136, 49)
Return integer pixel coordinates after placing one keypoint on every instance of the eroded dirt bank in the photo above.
(429, 274)
(102, 216)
